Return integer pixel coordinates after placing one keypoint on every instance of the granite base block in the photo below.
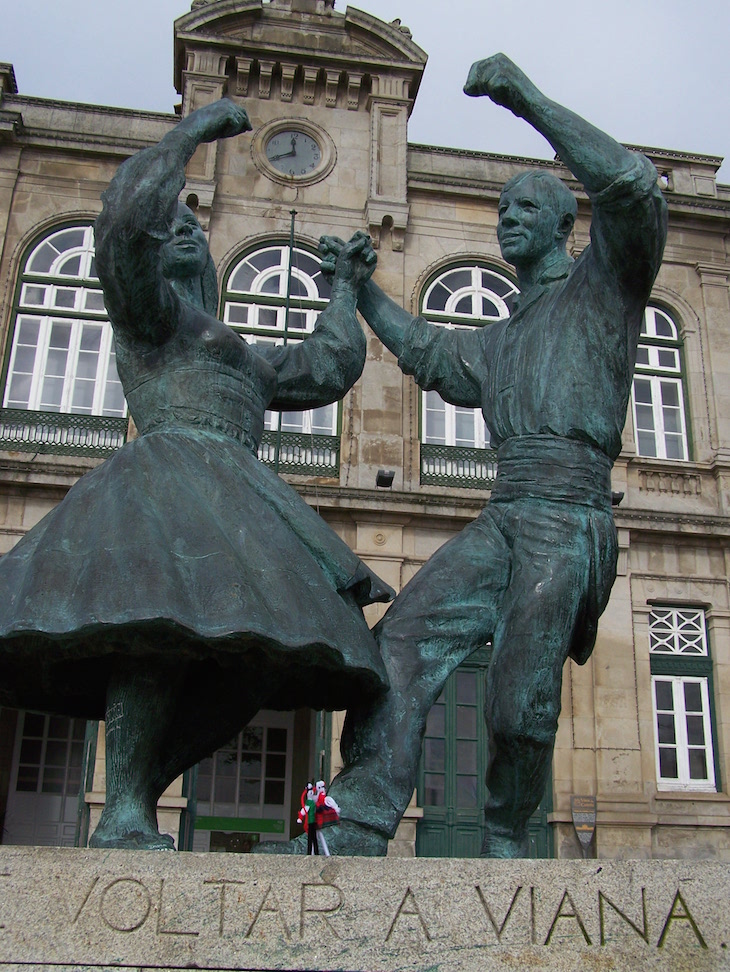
(77, 910)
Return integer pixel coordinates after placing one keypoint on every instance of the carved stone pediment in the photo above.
(311, 29)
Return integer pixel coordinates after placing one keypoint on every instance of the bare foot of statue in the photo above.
(348, 839)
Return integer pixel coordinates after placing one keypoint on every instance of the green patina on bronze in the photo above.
(534, 572)
(181, 586)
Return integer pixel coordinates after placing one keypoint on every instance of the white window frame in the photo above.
(684, 781)
(660, 340)
(40, 298)
(678, 636)
(474, 292)
(317, 293)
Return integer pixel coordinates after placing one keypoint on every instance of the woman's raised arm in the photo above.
(139, 208)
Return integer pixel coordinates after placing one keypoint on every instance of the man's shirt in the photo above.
(563, 363)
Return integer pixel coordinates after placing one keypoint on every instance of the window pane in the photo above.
(668, 764)
(41, 261)
(664, 697)
(695, 730)
(56, 753)
(464, 306)
(647, 445)
(267, 317)
(697, 764)
(668, 359)
(665, 728)
(297, 320)
(94, 301)
(457, 279)
(298, 288)
(19, 391)
(466, 791)
(466, 756)
(252, 739)
(464, 426)
(434, 790)
(265, 259)
(68, 239)
(663, 326)
(242, 279)
(466, 722)
(273, 284)
(250, 791)
(274, 791)
(692, 697)
(34, 724)
(64, 297)
(237, 314)
(670, 394)
(24, 360)
(275, 766)
(435, 755)
(435, 724)
(30, 751)
(466, 687)
(70, 267)
(437, 298)
(225, 789)
(642, 391)
(251, 765)
(27, 781)
(674, 447)
(276, 740)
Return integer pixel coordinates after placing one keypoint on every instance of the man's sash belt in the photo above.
(548, 467)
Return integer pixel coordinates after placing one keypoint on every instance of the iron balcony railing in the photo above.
(302, 453)
(458, 466)
(59, 433)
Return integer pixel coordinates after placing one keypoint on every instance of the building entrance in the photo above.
(451, 787)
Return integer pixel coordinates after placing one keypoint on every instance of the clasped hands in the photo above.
(353, 262)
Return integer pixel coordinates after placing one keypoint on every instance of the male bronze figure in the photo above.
(533, 573)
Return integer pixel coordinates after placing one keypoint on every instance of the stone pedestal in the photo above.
(94, 909)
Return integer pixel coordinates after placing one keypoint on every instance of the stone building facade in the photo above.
(645, 727)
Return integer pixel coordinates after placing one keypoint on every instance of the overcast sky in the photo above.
(650, 72)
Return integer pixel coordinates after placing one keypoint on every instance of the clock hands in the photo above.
(285, 155)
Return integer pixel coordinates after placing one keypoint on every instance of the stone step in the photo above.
(92, 909)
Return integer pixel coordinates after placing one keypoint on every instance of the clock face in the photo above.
(293, 153)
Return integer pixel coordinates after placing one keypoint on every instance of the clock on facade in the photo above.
(293, 152)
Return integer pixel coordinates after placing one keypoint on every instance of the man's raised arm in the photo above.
(593, 157)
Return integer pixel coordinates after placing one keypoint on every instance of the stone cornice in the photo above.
(676, 156)
(20, 100)
(652, 521)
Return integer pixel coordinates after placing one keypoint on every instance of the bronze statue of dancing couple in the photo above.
(182, 586)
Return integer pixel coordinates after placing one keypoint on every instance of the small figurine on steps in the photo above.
(318, 811)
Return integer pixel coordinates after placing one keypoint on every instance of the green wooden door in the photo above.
(451, 786)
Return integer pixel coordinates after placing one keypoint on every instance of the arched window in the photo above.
(658, 395)
(62, 354)
(471, 295)
(268, 305)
